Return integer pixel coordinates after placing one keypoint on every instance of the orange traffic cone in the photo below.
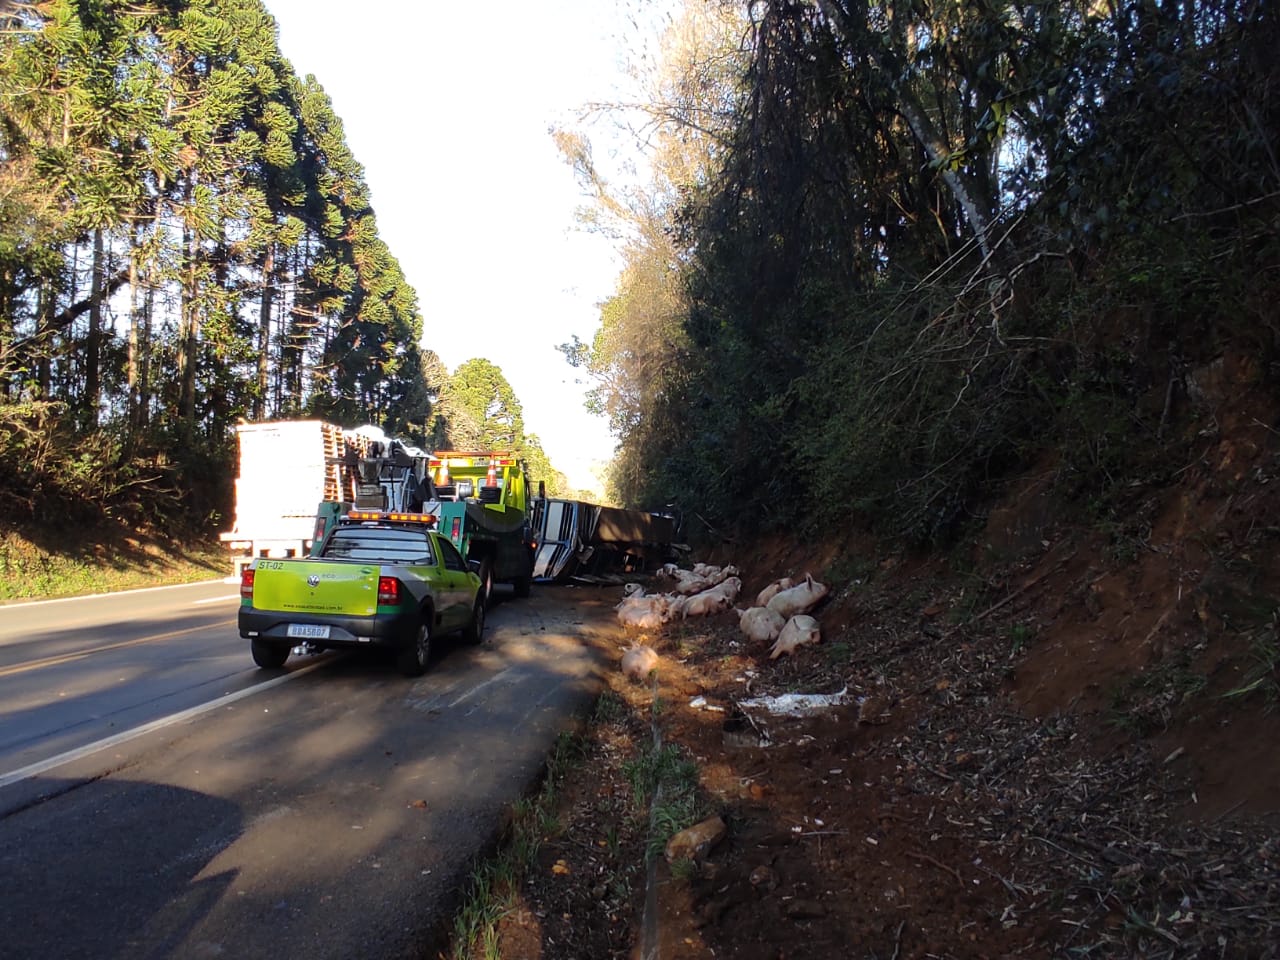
(491, 478)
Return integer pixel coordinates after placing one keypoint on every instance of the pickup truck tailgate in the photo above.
(314, 586)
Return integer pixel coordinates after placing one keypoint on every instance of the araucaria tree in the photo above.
(185, 240)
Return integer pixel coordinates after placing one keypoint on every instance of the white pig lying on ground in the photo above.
(729, 587)
(702, 576)
(760, 624)
(800, 631)
(769, 592)
(638, 661)
(646, 613)
(801, 598)
(704, 604)
(713, 573)
(688, 586)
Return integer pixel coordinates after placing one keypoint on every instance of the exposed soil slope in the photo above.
(1058, 742)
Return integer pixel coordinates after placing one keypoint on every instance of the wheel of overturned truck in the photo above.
(413, 656)
(474, 633)
(269, 656)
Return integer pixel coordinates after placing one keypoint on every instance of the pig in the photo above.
(718, 574)
(646, 613)
(705, 604)
(729, 587)
(801, 598)
(800, 631)
(639, 661)
(760, 624)
(676, 605)
(688, 586)
(768, 593)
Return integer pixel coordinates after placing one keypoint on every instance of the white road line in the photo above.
(480, 686)
(229, 596)
(109, 593)
(41, 766)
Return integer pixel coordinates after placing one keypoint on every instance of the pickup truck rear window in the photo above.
(379, 543)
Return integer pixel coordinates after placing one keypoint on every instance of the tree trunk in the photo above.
(132, 418)
(144, 362)
(44, 339)
(6, 334)
(189, 325)
(264, 333)
(918, 121)
(93, 341)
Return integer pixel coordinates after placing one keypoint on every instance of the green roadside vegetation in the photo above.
(577, 847)
(48, 570)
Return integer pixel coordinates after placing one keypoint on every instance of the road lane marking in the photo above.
(42, 766)
(229, 596)
(81, 654)
(480, 686)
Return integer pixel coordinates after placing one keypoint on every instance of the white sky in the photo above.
(447, 106)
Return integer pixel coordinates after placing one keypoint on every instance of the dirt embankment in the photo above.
(1060, 742)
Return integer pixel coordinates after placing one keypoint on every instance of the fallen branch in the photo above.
(941, 866)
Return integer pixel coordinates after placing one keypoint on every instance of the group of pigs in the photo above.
(779, 616)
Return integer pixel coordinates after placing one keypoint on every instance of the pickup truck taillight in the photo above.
(246, 584)
(389, 591)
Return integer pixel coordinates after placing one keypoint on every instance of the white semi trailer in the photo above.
(286, 469)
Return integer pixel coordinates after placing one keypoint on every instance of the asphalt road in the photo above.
(161, 797)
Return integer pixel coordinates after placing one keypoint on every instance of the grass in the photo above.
(90, 562)
(665, 784)
(971, 600)
(1145, 703)
(1264, 675)
(495, 884)
(837, 653)
(850, 569)
(1020, 636)
(654, 768)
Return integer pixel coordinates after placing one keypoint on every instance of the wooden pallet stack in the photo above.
(334, 448)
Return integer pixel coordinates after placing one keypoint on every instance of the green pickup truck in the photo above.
(386, 580)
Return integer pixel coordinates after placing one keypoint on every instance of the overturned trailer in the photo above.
(587, 541)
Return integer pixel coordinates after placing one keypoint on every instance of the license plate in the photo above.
(308, 631)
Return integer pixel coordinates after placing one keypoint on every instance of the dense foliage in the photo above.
(891, 255)
(477, 409)
(185, 240)
(938, 241)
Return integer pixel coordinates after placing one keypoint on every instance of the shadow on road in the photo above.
(112, 869)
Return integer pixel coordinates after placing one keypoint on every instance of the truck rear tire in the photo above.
(474, 634)
(486, 580)
(269, 656)
(413, 656)
(523, 585)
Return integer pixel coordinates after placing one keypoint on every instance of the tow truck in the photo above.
(379, 579)
(485, 507)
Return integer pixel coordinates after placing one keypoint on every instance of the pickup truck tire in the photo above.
(474, 633)
(269, 656)
(412, 658)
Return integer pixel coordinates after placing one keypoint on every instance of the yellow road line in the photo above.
(81, 654)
